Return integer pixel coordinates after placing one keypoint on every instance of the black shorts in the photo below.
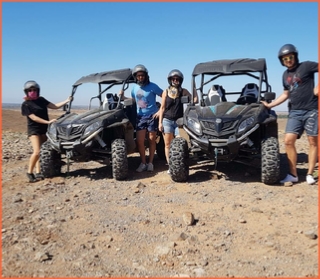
(147, 122)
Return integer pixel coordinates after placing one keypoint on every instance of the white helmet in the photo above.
(140, 68)
(173, 73)
(31, 84)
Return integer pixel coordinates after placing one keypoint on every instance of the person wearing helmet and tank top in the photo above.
(144, 93)
(299, 89)
(35, 108)
(171, 108)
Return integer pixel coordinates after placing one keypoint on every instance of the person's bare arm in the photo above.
(40, 120)
(195, 97)
(161, 110)
(282, 98)
(316, 90)
(59, 105)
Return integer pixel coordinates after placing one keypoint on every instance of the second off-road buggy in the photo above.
(225, 130)
(104, 133)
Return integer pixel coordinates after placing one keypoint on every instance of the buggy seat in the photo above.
(216, 95)
(249, 94)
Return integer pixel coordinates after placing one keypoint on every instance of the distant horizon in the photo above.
(18, 105)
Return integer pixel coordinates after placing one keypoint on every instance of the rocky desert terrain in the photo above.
(222, 223)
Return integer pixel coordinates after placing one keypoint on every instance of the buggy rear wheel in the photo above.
(178, 160)
(270, 161)
(119, 159)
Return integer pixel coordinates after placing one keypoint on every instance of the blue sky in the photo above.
(57, 43)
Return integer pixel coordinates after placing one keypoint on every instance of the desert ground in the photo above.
(223, 222)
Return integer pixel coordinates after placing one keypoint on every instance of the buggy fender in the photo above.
(116, 124)
(56, 145)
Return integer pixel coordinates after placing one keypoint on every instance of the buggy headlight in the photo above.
(245, 124)
(52, 130)
(92, 128)
(194, 125)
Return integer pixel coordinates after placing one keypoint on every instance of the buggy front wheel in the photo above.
(270, 161)
(119, 159)
(178, 160)
(50, 160)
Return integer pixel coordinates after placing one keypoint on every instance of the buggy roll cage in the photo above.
(231, 67)
(111, 78)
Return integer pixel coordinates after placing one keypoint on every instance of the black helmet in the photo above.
(173, 73)
(286, 49)
(140, 68)
(31, 84)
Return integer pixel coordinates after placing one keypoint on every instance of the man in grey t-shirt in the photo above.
(298, 84)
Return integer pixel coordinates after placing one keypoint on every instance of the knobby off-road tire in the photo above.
(178, 160)
(270, 161)
(160, 148)
(119, 159)
(50, 160)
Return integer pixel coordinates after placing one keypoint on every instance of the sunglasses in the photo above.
(175, 79)
(32, 90)
(288, 58)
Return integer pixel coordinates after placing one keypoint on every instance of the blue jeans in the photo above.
(303, 120)
(170, 126)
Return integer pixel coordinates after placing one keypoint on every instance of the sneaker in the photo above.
(168, 171)
(142, 167)
(150, 167)
(310, 179)
(289, 178)
(31, 177)
(39, 176)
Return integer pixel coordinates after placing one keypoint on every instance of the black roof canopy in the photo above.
(116, 76)
(229, 66)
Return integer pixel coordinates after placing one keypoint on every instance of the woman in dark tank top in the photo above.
(171, 108)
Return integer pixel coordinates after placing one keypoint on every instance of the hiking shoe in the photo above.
(142, 167)
(39, 176)
(31, 177)
(150, 167)
(310, 179)
(289, 178)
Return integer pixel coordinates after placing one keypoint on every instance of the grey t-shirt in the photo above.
(300, 83)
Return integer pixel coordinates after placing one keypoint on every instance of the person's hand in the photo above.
(121, 94)
(52, 120)
(160, 127)
(316, 90)
(267, 105)
(156, 115)
(70, 98)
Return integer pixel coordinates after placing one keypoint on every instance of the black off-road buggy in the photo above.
(224, 130)
(104, 133)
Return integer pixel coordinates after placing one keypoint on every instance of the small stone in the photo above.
(188, 218)
(311, 235)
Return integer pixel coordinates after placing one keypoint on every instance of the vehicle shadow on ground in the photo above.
(198, 171)
(237, 172)
(96, 171)
(230, 171)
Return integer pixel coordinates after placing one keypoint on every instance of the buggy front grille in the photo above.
(69, 133)
(225, 127)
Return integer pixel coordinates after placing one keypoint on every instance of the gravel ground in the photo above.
(221, 223)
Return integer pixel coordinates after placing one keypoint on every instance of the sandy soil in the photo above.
(222, 223)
